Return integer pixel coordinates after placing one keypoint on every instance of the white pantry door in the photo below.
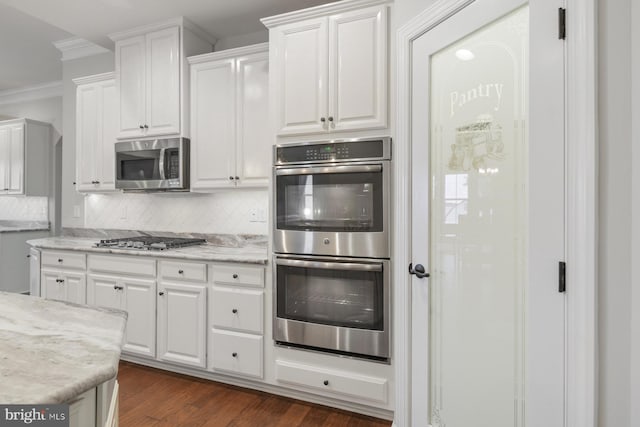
(487, 149)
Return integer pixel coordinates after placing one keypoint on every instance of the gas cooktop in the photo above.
(153, 243)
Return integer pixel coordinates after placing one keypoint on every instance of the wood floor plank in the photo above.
(156, 398)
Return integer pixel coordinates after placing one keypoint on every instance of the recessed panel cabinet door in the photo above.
(163, 82)
(51, 287)
(253, 149)
(5, 143)
(358, 69)
(105, 161)
(301, 67)
(140, 303)
(182, 323)
(130, 72)
(76, 288)
(87, 111)
(213, 124)
(16, 166)
(103, 291)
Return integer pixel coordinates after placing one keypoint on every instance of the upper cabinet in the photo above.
(329, 68)
(152, 80)
(230, 119)
(25, 147)
(96, 127)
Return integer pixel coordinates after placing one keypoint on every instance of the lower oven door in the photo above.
(335, 304)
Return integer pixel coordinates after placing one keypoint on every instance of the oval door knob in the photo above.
(325, 382)
(330, 118)
(322, 119)
(141, 127)
(59, 259)
(146, 127)
(237, 178)
(161, 293)
(180, 271)
(231, 178)
(234, 311)
(235, 276)
(234, 354)
(418, 271)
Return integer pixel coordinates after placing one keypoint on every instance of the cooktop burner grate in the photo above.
(156, 243)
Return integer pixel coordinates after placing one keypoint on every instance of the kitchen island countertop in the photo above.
(52, 351)
(205, 252)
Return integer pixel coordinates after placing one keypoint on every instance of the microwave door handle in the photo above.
(161, 164)
(329, 265)
(329, 169)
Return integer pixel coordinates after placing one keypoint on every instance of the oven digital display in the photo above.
(333, 151)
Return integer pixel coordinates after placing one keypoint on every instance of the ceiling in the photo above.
(28, 27)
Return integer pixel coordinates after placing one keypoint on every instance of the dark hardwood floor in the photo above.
(152, 397)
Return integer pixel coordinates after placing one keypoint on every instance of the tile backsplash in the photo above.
(228, 212)
(24, 208)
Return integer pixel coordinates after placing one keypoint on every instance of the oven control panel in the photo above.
(332, 151)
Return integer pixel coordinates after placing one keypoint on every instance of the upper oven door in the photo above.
(339, 210)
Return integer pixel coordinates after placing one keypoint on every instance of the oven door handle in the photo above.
(161, 164)
(329, 265)
(329, 169)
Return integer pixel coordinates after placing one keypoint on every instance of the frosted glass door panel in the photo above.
(478, 228)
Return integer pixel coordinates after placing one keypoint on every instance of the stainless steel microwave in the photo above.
(153, 165)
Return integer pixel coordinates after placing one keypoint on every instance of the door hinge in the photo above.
(562, 23)
(562, 276)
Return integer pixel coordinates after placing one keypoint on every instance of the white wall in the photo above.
(242, 40)
(614, 279)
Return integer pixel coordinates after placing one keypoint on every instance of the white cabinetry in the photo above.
(182, 315)
(329, 68)
(236, 320)
(150, 77)
(62, 276)
(230, 118)
(127, 283)
(96, 122)
(25, 147)
(82, 410)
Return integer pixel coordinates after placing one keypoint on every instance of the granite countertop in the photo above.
(250, 254)
(53, 351)
(7, 226)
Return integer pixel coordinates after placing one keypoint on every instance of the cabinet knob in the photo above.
(235, 276)
(237, 178)
(141, 127)
(234, 354)
(234, 311)
(60, 260)
(322, 119)
(146, 127)
(161, 293)
(115, 287)
(231, 178)
(325, 382)
(60, 280)
(28, 256)
(330, 118)
(180, 271)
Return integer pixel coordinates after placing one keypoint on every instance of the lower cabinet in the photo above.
(182, 323)
(237, 353)
(82, 410)
(63, 285)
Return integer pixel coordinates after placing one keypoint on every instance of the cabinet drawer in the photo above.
(237, 308)
(64, 260)
(179, 270)
(128, 265)
(236, 352)
(238, 275)
(332, 382)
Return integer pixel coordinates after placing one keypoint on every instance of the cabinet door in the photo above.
(15, 182)
(163, 82)
(51, 286)
(358, 69)
(130, 80)
(213, 124)
(87, 110)
(5, 146)
(104, 291)
(140, 302)
(76, 287)
(182, 323)
(105, 160)
(253, 165)
(300, 65)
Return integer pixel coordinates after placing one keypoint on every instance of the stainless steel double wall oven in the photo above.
(332, 246)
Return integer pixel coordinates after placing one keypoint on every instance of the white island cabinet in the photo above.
(25, 147)
(230, 119)
(152, 77)
(329, 68)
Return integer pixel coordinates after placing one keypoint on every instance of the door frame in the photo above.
(581, 208)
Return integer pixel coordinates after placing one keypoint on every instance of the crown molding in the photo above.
(181, 22)
(76, 47)
(229, 53)
(319, 11)
(31, 93)
(95, 78)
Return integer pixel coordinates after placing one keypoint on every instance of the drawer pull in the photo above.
(161, 293)
(180, 271)
(325, 382)
(234, 354)
(235, 276)
(60, 259)
(234, 311)
(59, 280)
